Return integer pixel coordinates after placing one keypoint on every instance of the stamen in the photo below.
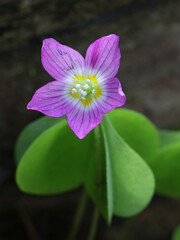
(73, 91)
(86, 86)
(81, 91)
(93, 91)
(78, 85)
(88, 80)
(84, 93)
(83, 98)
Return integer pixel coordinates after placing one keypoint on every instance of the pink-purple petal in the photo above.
(82, 121)
(103, 57)
(112, 96)
(61, 61)
(53, 99)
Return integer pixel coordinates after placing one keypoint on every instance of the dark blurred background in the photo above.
(149, 33)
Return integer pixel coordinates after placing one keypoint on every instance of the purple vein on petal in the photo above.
(59, 64)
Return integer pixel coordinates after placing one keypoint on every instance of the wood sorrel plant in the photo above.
(115, 162)
(84, 89)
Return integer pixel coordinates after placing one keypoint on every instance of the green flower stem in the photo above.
(83, 202)
(78, 216)
(98, 159)
(94, 224)
(95, 217)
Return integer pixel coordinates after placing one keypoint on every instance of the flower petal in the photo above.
(53, 99)
(82, 121)
(59, 60)
(112, 95)
(103, 57)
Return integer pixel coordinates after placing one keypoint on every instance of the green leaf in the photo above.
(109, 184)
(53, 163)
(166, 164)
(168, 137)
(176, 235)
(132, 183)
(137, 131)
(95, 176)
(117, 178)
(31, 132)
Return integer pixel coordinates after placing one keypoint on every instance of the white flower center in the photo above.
(84, 88)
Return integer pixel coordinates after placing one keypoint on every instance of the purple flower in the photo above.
(84, 89)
